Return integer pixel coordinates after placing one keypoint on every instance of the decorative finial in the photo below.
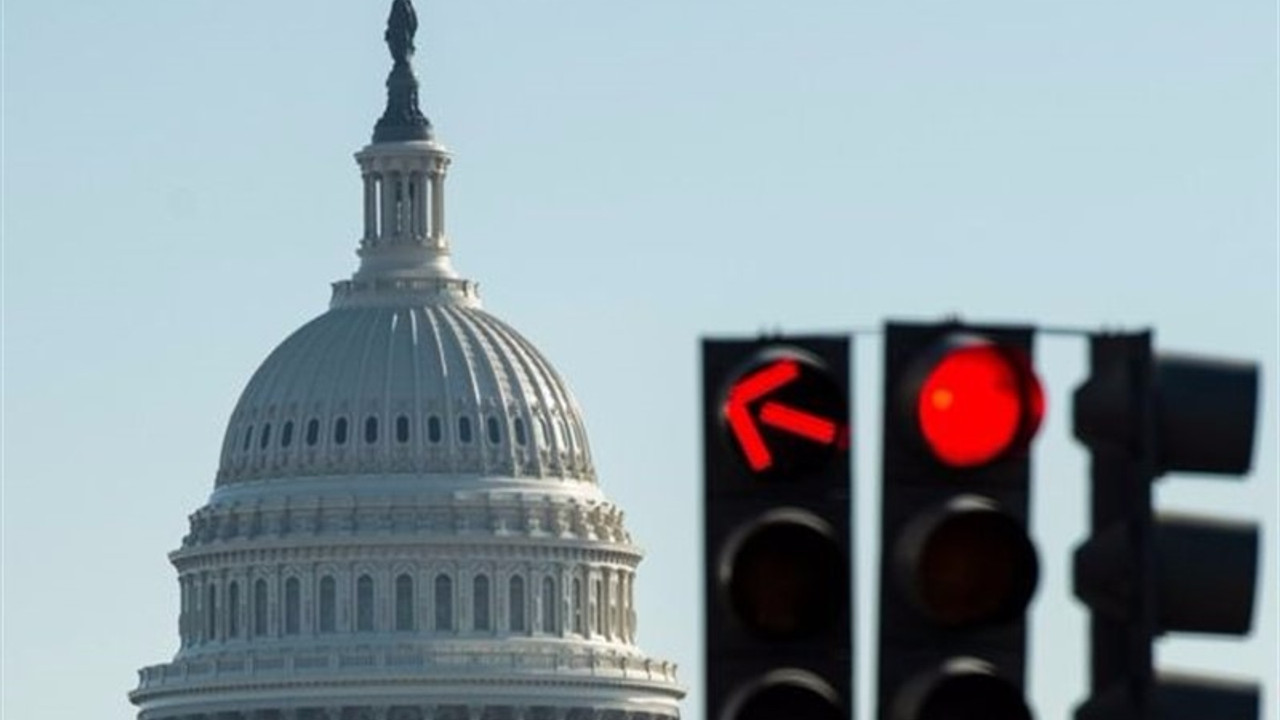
(402, 120)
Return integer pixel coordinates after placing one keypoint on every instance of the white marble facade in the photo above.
(406, 523)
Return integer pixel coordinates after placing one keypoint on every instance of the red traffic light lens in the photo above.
(785, 414)
(978, 402)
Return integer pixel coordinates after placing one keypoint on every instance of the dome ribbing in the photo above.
(439, 389)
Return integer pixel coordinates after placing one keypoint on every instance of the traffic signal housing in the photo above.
(958, 568)
(1142, 415)
(776, 544)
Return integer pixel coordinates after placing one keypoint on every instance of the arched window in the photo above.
(480, 602)
(495, 432)
(364, 604)
(549, 606)
(286, 434)
(521, 439)
(444, 602)
(211, 613)
(265, 437)
(404, 602)
(433, 429)
(248, 437)
(370, 430)
(340, 431)
(577, 607)
(515, 601)
(402, 429)
(328, 605)
(233, 609)
(259, 607)
(292, 606)
(313, 431)
(464, 429)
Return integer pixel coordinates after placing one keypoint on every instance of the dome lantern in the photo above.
(404, 249)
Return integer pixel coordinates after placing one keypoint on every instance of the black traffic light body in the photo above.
(961, 404)
(1141, 574)
(777, 535)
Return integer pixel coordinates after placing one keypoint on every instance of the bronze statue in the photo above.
(402, 120)
(402, 25)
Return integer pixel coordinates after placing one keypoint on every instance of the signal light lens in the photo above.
(786, 577)
(963, 689)
(785, 414)
(967, 565)
(792, 694)
(977, 402)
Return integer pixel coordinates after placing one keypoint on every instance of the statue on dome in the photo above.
(402, 25)
(403, 119)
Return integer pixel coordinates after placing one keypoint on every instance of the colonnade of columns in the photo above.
(245, 603)
(404, 206)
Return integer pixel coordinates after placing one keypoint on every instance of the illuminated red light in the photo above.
(784, 414)
(798, 422)
(746, 391)
(977, 403)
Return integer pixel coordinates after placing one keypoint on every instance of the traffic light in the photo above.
(776, 545)
(957, 566)
(1142, 415)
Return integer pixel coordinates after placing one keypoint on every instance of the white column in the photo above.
(624, 609)
(606, 602)
(428, 230)
(437, 208)
(202, 616)
(370, 209)
(566, 601)
(631, 606)
(184, 613)
(387, 224)
(343, 600)
(402, 205)
(419, 202)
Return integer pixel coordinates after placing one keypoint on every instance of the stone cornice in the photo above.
(458, 549)
(545, 523)
(391, 667)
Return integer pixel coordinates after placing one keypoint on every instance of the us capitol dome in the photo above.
(406, 523)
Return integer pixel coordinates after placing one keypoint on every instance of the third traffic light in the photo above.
(1141, 415)
(958, 568)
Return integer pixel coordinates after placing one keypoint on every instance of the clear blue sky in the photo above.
(179, 191)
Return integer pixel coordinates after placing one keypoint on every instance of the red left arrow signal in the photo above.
(786, 418)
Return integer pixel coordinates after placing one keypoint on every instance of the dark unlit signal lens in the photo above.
(968, 564)
(787, 577)
(789, 695)
(972, 696)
